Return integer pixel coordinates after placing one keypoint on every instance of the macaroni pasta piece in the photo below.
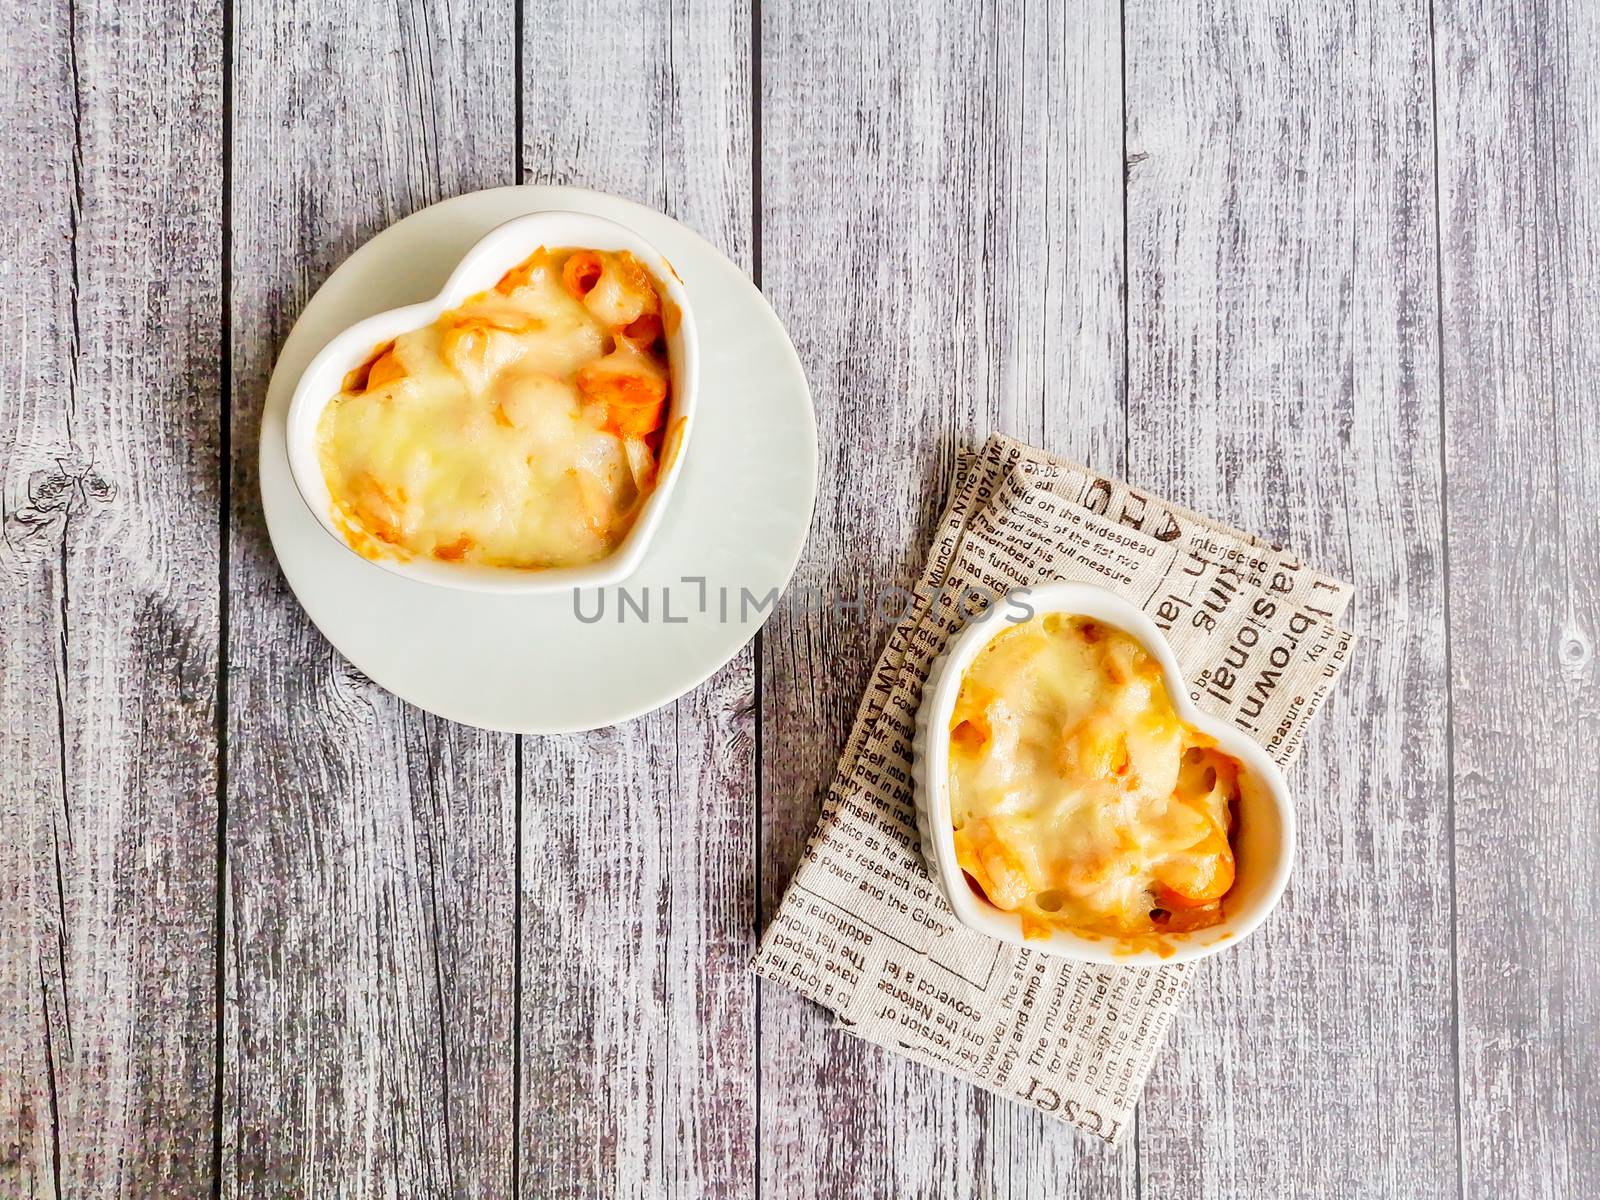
(520, 429)
(1079, 798)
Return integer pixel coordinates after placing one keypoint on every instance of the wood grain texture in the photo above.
(638, 1010)
(369, 1004)
(37, 134)
(1360, 315)
(941, 224)
(1284, 376)
(108, 581)
(1519, 166)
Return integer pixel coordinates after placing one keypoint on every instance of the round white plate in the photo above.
(543, 664)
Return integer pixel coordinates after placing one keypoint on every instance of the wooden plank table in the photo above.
(1324, 271)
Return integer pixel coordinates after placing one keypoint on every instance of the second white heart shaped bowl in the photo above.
(1263, 842)
(480, 269)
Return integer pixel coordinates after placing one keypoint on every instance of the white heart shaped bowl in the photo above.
(1263, 840)
(480, 269)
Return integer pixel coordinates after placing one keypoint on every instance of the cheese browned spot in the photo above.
(1079, 798)
(517, 430)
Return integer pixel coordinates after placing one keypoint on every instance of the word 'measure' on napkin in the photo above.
(864, 930)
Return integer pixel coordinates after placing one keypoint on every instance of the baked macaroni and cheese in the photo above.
(523, 428)
(1080, 800)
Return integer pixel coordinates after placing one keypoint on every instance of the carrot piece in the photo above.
(359, 379)
(454, 551)
(1172, 898)
(635, 401)
(970, 729)
(630, 420)
(386, 369)
(1200, 877)
(517, 277)
(968, 736)
(1182, 920)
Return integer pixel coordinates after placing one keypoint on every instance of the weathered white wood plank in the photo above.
(1518, 103)
(369, 1041)
(109, 495)
(1282, 320)
(638, 898)
(942, 232)
(37, 133)
(638, 1011)
(1283, 376)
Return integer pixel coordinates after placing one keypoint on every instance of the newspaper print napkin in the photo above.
(864, 930)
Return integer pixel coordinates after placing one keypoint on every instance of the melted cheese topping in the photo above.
(520, 429)
(1079, 798)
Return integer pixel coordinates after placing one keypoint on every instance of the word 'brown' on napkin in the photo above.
(864, 930)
